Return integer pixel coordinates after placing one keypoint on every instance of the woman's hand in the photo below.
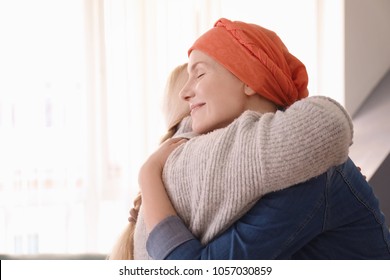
(156, 161)
(360, 170)
(156, 203)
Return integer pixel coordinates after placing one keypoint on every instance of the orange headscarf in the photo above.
(258, 57)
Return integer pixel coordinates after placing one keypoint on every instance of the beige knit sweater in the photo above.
(213, 179)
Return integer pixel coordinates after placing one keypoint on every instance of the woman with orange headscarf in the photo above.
(204, 197)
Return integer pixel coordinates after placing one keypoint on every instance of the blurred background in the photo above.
(81, 83)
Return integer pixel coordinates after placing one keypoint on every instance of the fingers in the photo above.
(176, 140)
(364, 176)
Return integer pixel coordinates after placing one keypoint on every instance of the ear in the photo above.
(248, 90)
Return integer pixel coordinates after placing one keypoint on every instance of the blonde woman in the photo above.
(175, 110)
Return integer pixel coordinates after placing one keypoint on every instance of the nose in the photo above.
(186, 92)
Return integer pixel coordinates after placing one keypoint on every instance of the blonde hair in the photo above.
(175, 110)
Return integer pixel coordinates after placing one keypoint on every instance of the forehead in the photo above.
(198, 58)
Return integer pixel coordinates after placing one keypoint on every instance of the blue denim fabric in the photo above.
(333, 216)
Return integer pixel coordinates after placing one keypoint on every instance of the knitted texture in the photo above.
(214, 179)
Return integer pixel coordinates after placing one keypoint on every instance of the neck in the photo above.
(259, 104)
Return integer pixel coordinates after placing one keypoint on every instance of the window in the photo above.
(43, 126)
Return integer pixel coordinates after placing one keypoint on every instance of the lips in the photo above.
(196, 106)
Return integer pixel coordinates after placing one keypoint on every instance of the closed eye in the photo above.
(200, 75)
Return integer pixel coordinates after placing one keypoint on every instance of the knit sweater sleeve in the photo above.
(302, 142)
(214, 179)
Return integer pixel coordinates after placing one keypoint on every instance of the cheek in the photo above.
(222, 111)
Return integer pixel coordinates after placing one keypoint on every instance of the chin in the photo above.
(199, 129)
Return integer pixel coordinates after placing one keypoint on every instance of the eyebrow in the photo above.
(193, 66)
